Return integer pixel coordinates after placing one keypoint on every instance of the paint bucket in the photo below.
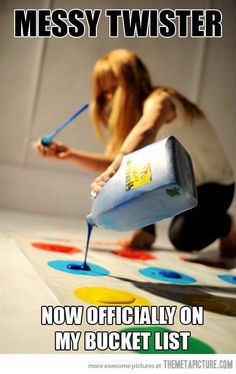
(152, 183)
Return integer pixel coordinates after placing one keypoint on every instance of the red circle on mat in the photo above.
(55, 247)
(136, 255)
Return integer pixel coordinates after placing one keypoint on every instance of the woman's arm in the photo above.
(93, 161)
(157, 110)
(90, 160)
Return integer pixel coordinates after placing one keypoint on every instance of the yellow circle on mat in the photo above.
(108, 296)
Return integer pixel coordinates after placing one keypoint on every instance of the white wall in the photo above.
(43, 81)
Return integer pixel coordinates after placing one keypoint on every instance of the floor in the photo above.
(36, 251)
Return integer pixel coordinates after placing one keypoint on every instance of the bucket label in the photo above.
(137, 174)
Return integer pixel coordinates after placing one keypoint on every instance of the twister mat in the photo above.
(157, 301)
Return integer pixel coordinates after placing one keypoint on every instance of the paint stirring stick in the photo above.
(47, 139)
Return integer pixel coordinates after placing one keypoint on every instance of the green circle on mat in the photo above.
(194, 345)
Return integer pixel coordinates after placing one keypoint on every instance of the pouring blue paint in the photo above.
(84, 266)
(153, 183)
(47, 139)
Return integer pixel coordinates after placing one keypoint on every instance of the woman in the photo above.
(129, 113)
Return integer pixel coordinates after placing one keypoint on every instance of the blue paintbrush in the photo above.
(47, 139)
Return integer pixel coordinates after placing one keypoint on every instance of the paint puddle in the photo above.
(75, 268)
(56, 247)
(107, 296)
(228, 278)
(167, 275)
(135, 255)
(195, 346)
(170, 274)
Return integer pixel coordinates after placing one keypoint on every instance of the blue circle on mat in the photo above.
(96, 271)
(167, 275)
(228, 278)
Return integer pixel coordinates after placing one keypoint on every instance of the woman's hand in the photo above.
(56, 150)
(103, 178)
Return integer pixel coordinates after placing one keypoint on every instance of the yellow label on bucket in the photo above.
(137, 174)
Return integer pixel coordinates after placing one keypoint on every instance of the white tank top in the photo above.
(210, 163)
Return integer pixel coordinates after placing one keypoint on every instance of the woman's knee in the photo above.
(183, 235)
